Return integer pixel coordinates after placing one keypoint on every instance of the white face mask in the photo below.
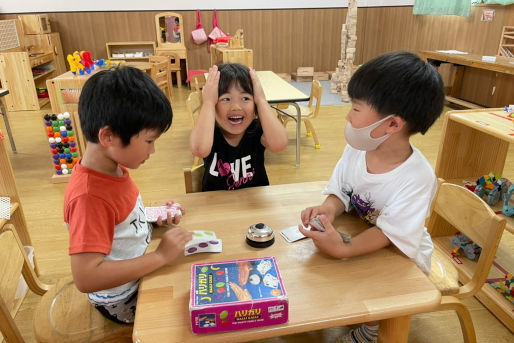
(361, 139)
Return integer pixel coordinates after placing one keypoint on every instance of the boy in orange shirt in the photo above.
(122, 112)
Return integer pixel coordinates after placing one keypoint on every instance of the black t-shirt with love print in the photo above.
(229, 168)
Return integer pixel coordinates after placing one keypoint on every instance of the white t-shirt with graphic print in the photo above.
(397, 202)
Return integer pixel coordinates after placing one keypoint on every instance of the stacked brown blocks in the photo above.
(344, 70)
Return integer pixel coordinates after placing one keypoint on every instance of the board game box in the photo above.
(235, 295)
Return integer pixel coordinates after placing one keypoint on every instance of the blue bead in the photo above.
(68, 155)
(59, 172)
(62, 155)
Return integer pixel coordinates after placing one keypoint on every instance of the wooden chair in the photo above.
(308, 112)
(160, 73)
(63, 314)
(193, 178)
(457, 209)
(193, 105)
(175, 66)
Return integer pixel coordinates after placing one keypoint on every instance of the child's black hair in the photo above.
(127, 100)
(238, 75)
(234, 73)
(400, 83)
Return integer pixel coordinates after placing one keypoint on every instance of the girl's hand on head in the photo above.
(210, 90)
(258, 91)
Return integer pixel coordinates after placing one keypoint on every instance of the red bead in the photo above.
(58, 167)
(73, 149)
(54, 151)
(50, 134)
(65, 139)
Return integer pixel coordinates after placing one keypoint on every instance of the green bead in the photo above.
(70, 133)
(61, 122)
(67, 150)
(56, 129)
(74, 154)
(54, 123)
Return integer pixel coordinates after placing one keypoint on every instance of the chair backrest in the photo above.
(160, 73)
(193, 178)
(193, 105)
(14, 263)
(316, 91)
(174, 59)
(464, 211)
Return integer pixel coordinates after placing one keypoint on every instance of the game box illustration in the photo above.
(235, 295)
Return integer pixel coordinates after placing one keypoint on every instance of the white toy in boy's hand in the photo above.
(203, 241)
(153, 213)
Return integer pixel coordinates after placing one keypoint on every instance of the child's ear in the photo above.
(106, 136)
(396, 124)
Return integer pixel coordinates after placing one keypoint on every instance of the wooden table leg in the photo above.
(394, 330)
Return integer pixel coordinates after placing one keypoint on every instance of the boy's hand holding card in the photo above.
(153, 213)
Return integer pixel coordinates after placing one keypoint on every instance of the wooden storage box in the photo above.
(300, 78)
(305, 71)
(221, 54)
(35, 24)
(321, 76)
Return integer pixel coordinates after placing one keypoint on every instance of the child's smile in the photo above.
(235, 111)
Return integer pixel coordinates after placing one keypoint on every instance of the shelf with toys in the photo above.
(139, 51)
(475, 143)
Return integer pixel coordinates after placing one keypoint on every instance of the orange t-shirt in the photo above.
(98, 207)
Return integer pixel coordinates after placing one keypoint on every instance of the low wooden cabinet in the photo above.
(22, 73)
(475, 143)
(50, 42)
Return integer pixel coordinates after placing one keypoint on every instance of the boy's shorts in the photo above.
(122, 313)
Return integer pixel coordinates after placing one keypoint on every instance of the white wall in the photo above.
(41, 6)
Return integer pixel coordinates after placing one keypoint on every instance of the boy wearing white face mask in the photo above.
(380, 174)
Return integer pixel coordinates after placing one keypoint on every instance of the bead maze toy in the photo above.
(61, 138)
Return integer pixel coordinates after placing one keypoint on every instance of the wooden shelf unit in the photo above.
(16, 73)
(145, 47)
(474, 143)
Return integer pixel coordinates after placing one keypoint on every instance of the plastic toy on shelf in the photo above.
(507, 209)
(462, 244)
(492, 186)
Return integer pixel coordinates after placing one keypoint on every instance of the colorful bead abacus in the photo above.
(62, 142)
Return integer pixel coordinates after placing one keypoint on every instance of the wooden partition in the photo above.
(283, 40)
